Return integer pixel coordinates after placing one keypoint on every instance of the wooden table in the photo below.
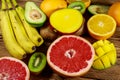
(112, 73)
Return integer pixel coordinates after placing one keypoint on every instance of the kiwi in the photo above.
(79, 5)
(98, 9)
(47, 33)
(37, 62)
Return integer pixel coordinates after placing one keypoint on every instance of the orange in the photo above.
(87, 2)
(49, 6)
(114, 11)
(101, 26)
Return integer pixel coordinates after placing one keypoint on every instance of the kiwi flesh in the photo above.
(98, 9)
(37, 62)
(79, 5)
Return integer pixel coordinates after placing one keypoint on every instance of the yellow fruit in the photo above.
(49, 6)
(66, 21)
(87, 2)
(101, 26)
(114, 11)
(105, 54)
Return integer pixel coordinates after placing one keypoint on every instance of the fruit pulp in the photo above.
(70, 54)
(13, 69)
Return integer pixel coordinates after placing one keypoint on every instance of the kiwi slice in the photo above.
(79, 5)
(37, 62)
(98, 9)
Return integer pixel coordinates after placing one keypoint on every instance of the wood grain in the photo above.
(112, 73)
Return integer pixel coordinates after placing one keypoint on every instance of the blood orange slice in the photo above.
(70, 55)
(13, 69)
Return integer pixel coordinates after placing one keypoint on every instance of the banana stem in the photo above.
(9, 4)
(14, 3)
(3, 7)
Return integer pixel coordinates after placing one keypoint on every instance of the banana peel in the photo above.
(105, 56)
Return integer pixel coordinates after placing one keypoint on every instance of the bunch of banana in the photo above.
(19, 37)
(0, 24)
(31, 31)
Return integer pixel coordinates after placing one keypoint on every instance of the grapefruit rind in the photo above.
(21, 62)
(65, 73)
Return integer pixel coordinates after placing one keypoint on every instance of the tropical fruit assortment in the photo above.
(61, 23)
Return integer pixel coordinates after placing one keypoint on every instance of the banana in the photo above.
(8, 36)
(0, 24)
(31, 31)
(20, 33)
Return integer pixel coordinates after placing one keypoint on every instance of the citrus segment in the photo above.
(66, 21)
(13, 69)
(101, 26)
(70, 55)
(105, 54)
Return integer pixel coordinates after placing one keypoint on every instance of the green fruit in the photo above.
(79, 5)
(105, 55)
(37, 62)
(98, 9)
(34, 15)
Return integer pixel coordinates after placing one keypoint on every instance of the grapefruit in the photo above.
(70, 55)
(13, 69)
(66, 21)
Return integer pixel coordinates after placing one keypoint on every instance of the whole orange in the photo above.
(49, 6)
(114, 11)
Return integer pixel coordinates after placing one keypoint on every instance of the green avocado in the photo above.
(98, 9)
(34, 15)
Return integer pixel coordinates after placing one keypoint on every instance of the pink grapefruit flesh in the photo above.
(13, 69)
(70, 55)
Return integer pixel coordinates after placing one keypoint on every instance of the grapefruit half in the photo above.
(70, 55)
(13, 69)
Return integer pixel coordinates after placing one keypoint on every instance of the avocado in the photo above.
(34, 15)
(79, 5)
(98, 9)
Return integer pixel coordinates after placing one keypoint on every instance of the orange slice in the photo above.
(101, 26)
(87, 2)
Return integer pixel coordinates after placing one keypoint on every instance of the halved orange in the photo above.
(101, 26)
(87, 2)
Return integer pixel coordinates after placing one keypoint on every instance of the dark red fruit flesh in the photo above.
(71, 54)
(11, 70)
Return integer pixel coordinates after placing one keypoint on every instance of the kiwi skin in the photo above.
(37, 62)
